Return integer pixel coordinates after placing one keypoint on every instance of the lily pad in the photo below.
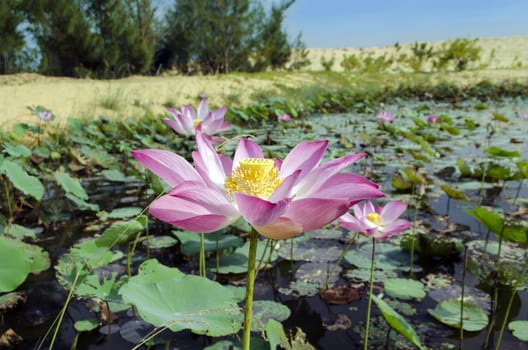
(265, 310)
(448, 313)
(404, 288)
(519, 329)
(202, 305)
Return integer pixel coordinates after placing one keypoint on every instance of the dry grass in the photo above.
(85, 98)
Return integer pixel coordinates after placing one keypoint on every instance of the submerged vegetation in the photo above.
(78, 249)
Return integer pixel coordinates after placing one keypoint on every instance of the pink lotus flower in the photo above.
(280, 199)
(523, 116)
(284, 118)
(379, 223)
(45, 115)
(186, 121)
(432, 119)
(385, 117)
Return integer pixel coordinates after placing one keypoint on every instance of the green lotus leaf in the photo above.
(448, 313)
(14, 264)
(26, 183)
(519, 329)
(404, 288)
(184, 302)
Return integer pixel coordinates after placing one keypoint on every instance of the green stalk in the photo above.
(248, 310)
(461, 335)
(202, 255)
(371, 287)
(519, 281)
(63, 311)
(329, 275)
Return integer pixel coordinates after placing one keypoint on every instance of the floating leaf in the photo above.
(276, 335)
(160, 242)
(500, 117)
(500, 152)
(120, 213)
(81, 204)
(221, 240)
(519, 329)
(14, 264)
(202, 305)
(119, 233)
(398, 323)
(265, 310)
(404, 288)
(448, 312)
(454, 193)
(20, 231)
(16, 151)
(86, 325)
(70, 185)
(26, 183)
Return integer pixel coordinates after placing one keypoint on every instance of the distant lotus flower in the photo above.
(376, 222)
(385, 117)
(284, 118)
(280, 199)
(523, 116)
(45, 115)
(187, 120)
(432, 119)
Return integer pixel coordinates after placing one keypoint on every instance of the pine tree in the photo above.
(12, 40)
(274, 50)
(124, 50)
(68, 46)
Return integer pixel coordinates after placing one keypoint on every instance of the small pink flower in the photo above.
(284, 118)
(379, 223)
(45, 115)
(385, 117)
(432, 119)
(523, 116)
(187, 120)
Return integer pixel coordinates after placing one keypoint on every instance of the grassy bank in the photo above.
(136, 96)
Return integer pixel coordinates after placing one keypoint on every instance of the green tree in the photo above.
(124, 50)
(274, 50)
(12, 39)
(67, 44)
(220, 36)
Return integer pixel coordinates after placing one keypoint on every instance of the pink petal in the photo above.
(258, 211)
(246, 149)
(172, 168)
(285, 188)
(282, 228)
(305, 156)
(392, 210)
(396, 227)
(176, 125)
(210, 162)
(313, 181)
(351, 223)
(202, 110)
(343, 186)
(314, 213)
(194, 204)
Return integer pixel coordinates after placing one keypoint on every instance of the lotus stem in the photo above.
(371, 288)
(329, 275)
(248, 311)
(518, 282)
(462, 293)
(202, 255)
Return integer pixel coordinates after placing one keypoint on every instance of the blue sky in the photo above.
(358, 23)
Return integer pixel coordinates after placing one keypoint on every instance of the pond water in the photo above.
(452, 152)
